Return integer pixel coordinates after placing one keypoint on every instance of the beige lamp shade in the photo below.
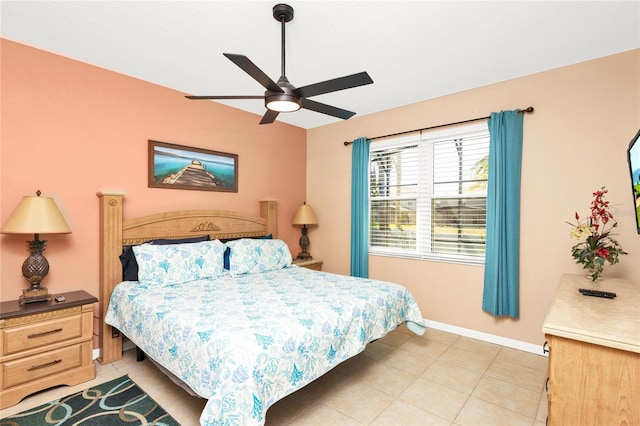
(304, 216)
(36, 215)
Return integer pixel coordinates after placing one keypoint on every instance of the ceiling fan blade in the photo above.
(326, 109)
(269, 117)
(253, 70)
(340, 83)
(224, 97)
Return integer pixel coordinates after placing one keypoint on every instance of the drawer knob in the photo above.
(45, 365)
(44, 333)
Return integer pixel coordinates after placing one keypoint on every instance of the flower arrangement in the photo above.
(597, 246)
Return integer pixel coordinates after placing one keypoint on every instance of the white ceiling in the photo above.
(413, 50)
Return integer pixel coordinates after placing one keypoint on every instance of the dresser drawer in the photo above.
(34, 335)
(30, 368)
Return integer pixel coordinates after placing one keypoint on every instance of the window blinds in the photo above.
(428, 195)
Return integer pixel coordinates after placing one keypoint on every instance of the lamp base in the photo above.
(304, 255)
(304, 243)
(34, 294)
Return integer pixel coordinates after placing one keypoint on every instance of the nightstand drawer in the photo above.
(34, 335)
(34, 367)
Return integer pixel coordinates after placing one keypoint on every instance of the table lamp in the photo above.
(304, 216)
(35, 215)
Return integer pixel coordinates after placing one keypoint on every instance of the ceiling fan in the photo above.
(285, 97)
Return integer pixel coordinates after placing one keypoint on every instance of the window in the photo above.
(428, 195)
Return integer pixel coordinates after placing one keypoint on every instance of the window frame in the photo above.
(423, 238)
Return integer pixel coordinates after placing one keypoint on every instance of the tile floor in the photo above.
(402, 379)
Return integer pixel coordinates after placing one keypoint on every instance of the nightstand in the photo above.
(45, 344)
(314, 264)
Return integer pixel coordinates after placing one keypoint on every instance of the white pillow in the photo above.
(179, 263)
(249, 255)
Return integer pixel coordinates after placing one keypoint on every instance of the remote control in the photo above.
(597, 293)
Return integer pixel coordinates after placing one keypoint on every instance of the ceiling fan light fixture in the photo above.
(282, 102)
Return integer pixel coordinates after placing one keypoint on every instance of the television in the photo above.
(633, 155)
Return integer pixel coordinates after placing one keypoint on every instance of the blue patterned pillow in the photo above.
(179, 263)
(248, 256)
(128, 258)
(227, 250)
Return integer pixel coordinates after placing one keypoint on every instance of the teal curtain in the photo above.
(502, 261)
(360, 208)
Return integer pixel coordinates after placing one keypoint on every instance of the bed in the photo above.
(243, 336)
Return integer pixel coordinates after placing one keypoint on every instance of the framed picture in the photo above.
(182, 167)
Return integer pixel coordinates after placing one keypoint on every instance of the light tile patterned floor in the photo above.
(402, 379)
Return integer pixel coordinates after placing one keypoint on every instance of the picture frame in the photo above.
(175, 166)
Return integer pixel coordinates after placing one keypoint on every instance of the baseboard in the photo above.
(486, 337)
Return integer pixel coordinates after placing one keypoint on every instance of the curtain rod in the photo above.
(520, 111)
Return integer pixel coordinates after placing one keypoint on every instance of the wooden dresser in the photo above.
(594, 354)
(45, 344)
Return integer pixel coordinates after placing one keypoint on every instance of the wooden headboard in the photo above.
(116, 232)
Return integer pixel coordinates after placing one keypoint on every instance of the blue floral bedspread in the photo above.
(245, 342)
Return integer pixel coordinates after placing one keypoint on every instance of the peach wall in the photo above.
(72, 129)
(574, 143)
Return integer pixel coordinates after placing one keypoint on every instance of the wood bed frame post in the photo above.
(268, 210)
(110, 270)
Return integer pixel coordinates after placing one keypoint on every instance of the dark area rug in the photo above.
(117, 402)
